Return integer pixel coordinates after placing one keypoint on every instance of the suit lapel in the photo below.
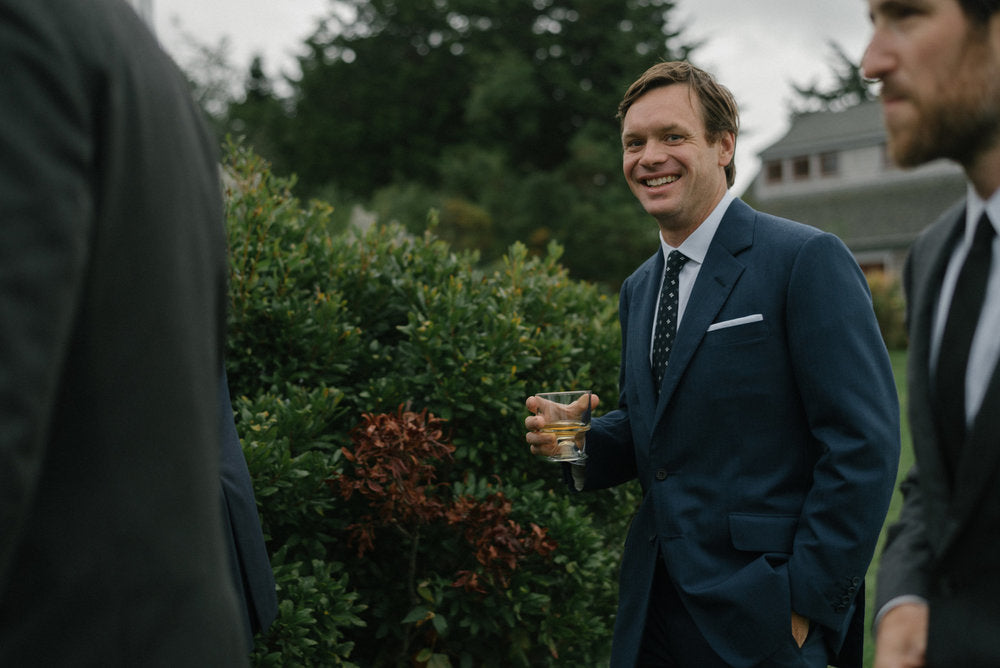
(926, 287)
(980, 458)
(640, 333)
(715, 281)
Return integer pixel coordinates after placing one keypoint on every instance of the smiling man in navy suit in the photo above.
(757, 409)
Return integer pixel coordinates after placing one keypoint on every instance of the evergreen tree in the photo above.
(848, 89)
(386, 93)
(500, 115)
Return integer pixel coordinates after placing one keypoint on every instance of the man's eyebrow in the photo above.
(896, 6)
(671, 128)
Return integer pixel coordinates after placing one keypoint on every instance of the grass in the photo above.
(898, 359)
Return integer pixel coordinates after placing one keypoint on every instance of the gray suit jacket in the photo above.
(946, 543)
(112, 295)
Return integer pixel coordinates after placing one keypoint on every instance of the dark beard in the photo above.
(964, 125)
(957, 133)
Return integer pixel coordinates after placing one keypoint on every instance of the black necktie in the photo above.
(953, 357)
(666, 315)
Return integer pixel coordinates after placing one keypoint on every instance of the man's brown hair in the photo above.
(980, 11)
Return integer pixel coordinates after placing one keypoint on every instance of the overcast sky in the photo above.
(757, 48)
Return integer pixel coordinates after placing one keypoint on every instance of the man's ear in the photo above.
(727, 148)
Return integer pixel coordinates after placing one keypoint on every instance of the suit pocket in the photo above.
(762, 533)
(751, 331)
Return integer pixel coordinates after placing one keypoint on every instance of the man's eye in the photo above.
(899, 11)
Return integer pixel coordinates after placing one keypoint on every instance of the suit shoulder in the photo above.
(74, 27)
(772, 240)
(786, 228)
(780, 232)
(939, 231)
(644, 269)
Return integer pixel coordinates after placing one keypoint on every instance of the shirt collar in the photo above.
(695, 247)
(974, 208)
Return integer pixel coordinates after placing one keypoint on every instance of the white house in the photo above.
(832, 170)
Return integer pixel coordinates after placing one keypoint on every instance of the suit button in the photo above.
(661, 474)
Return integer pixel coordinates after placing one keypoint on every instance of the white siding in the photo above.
(857, 167)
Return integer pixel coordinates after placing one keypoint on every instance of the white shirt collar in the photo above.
(695, 247)
(974, 207)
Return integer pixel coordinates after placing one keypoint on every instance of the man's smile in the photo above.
(659, 181)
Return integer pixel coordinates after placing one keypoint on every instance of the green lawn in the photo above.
(905, 461)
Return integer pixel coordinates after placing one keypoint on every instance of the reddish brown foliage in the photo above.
(394, 470)
(395, 459)
(499, 542)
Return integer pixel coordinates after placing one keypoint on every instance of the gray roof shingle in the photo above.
(820, 131)
(879, 216)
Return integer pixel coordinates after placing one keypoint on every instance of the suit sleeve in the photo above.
(903, 565)
(610, 454)
(907, 553)
(849, 396)
(250, 563)
(45, 220)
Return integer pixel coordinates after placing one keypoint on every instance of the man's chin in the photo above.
(902, 127)
(906, 153)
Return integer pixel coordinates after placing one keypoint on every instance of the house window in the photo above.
(775, 171)
(800, 167)
(829, 164)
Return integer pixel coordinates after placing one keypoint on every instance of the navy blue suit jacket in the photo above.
(767, 458)
(248, 559)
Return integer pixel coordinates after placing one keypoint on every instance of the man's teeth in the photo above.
(652, 183)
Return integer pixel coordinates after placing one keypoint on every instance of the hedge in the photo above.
(379, 381)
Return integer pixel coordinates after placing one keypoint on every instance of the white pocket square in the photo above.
(747, 319)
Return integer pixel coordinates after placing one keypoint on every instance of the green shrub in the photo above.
(890, 308)
(315, 614)
(327, 327)
(453, 571)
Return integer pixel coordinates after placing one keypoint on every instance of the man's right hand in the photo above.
(901, 641)
(544, 444)
(541, 444)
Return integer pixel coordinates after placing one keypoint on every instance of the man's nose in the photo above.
(654, 153)
(877, 60)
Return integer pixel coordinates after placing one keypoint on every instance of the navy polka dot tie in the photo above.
(666, 315)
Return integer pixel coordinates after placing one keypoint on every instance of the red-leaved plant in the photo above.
(395, 463)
